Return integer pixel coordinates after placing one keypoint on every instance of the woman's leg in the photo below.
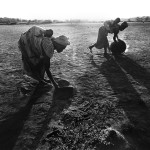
(90, 47)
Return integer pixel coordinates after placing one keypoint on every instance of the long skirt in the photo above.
(102, 40)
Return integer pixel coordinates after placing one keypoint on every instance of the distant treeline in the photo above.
(13, 21)
(139, 19)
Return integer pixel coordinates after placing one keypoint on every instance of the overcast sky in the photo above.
(74, 9)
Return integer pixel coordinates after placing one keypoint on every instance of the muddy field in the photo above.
(111, 102)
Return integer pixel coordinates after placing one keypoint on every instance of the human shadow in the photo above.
(12, 126)
(139, 73)
(61, 99)
(129, 99)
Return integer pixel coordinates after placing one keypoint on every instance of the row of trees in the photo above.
(139, 19)
(10, 21)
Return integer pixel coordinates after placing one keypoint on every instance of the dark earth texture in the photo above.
(108, 107)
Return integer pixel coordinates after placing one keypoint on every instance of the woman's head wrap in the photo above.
(123, 26)
(62, 40)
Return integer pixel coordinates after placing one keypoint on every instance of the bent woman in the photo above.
(37, 47)
(102, 41)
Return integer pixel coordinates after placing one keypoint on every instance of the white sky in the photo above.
(74, 9)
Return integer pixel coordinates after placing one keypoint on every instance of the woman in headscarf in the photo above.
(115, 30)
(37, 47)
(114, 27)
(109, 24)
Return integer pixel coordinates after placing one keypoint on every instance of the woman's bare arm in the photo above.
(49, 74)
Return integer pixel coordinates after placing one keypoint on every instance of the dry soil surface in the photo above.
(110, 106)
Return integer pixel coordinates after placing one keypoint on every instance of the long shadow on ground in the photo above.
(139, 73)
(61, 100)
(12, 127)
(115, 71)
